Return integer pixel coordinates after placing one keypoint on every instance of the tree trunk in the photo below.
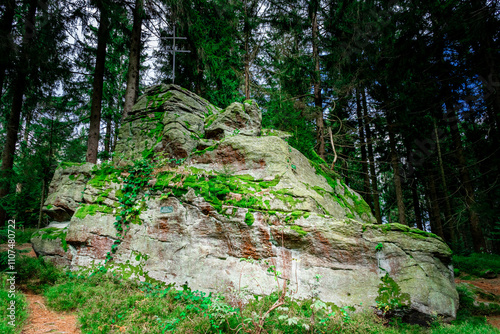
(414, 185)
(448, 228)
(132, 90)
(478, 241)
(17, 106)
(492, 88)
(416, 204)
(318, 103)
(115, 137)
(6, 42)
(362, 140)
(42, 199)
(436, 225)
(199, 76)
(26, 128)
(371, 158)
(397, 176)
(246, 31)
(107, 138)
(95, 111)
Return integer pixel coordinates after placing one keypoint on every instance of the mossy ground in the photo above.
(477, 264)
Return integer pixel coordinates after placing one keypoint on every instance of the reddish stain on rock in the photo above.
(97, 247)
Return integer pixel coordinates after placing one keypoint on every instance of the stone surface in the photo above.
(48, 243)
(225, 204)
(238, 118)
(66, 189)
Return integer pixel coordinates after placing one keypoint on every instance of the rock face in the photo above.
(216, 204)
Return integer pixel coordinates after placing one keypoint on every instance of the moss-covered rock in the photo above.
(238, 118)
(207, 190)
(66, 190)
(50, 243)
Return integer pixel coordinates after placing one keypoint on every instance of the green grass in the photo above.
(477, 264)
(21, 313)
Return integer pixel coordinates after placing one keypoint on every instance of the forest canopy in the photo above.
(400, 98)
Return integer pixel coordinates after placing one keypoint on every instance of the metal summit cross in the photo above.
(173, 51)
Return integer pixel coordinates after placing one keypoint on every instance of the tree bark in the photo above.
(132, 91)
(414, 185)
(246, 31)
(397, 177)
(95, 111)
(107, 138)
(478, 240)
(492, 81)
(371, 158)
(318, 102)
(436, 225)
(416, 204)
(6, 45)
(17, 106)
(448, 226)
(362, 140)
(42, 199)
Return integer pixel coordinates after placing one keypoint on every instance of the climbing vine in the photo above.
(135, 181)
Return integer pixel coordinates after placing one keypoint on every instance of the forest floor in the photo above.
(26, 249)
(41, 319)
(491, 286)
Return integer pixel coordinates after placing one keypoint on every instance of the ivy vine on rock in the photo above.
(138, 177)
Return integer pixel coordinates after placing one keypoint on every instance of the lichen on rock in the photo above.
(217, 190)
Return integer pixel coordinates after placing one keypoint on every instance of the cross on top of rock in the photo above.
(174, 50)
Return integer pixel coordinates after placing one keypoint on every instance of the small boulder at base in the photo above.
(202, 195)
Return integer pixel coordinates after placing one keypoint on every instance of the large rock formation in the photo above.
(212, 189)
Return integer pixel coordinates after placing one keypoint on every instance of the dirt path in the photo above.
(488, 285)
(28, 250)
(43, 320)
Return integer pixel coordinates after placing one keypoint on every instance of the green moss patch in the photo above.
(409, 231)
(208, 149)
(104, 175)
(299, 230)
(91, 209)
(53, 233)
(285, 196)
(66, 164)
(249, 219)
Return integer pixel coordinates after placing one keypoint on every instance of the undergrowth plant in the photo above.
(391, 301)
(21, 314)
(138, 177)
(105, 302)
(477, 264)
